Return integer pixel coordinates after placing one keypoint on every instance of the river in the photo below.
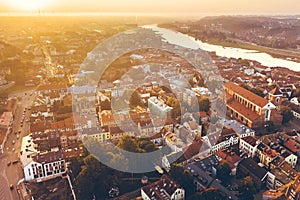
(229, 52)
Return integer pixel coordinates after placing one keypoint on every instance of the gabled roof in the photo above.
(161, 188)
(275, 91)
(292, 145)
(49, 157)
(246, 94)
(253, 167)
(231, 157)
(246, 112)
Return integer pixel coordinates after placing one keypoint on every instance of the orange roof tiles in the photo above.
(51, 87)
(246, 94)
(231, 157)
(246, 112)
(292, 145)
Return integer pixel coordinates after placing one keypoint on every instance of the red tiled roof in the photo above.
(292, 145)
(246, 112)
(246, 94)
(202, 114)
(51, 87)
(250, 140)
(37, 127)
(231, 157)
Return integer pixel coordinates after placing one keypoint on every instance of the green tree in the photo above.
(286, 113)
(223, 171)
(247, 189)
(211, 194)
(147, 145)
(128, 143)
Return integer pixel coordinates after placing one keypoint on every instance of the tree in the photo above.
(204, 104)
(224, 171)
(296, 93)
(270, 126)
(146, 145)
(128, 143)
(75, 166)
(286, 113)
(95, 179)
(211, 194)
(174, 103)
(135, 100)
(247, 189)
(182, 177)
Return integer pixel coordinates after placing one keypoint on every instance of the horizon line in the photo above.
(170, 14)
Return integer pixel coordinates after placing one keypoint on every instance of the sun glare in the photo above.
(29, 5)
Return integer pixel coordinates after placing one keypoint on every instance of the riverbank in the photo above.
(258, 54)
(293, 55)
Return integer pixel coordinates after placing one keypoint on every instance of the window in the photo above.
(267, 114)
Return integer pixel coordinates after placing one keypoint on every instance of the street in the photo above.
(10, 166)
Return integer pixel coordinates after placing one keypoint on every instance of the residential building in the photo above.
(40, 166)
(266, 154)
(165, 188)
(227, 138)
(248, 145)
(158, 107)
(248, 167)
(96, 133)
(231, 157)
(293, 191)
(45, 166)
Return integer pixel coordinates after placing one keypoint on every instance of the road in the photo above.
(11, 174)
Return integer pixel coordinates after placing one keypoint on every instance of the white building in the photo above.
(98, 134)
(165, 188)
(227, 138)
(158, 107)
(248, 145)
(40, 166)
(296, 101)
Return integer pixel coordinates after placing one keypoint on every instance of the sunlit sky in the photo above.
(155, 6)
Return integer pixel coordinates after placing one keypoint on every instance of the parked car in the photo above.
(11, 186)
(9, 163)
(15, 162)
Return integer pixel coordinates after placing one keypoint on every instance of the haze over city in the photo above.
(140, 100)
(155, 6)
